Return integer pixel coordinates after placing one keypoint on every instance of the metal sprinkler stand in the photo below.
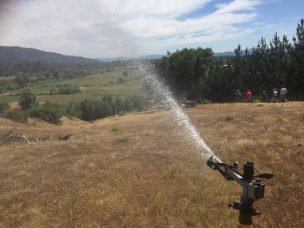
(253, 188)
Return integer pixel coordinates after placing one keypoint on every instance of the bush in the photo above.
(108, 106)
(17, 116)
(125, 74)
(121, 80)
(49, 112)
(73, 109)
(122, 139)
(68, 90)
(138, 103)
(205, 101)
(4, 107)
(27, 99)
(88, 110)
(228, 118)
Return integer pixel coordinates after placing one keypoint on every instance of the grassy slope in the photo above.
(93, 87)
(138, 169)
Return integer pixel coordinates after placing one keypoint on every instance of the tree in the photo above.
(107, 105)
(88, 110)
(298, 61)
(125, 74)
(183, 70)
(22, 80)
(27, 99)
(49, 112)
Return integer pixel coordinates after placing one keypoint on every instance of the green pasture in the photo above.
(8, 98)
(92, 87)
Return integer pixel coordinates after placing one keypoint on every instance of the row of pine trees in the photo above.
(196, 74)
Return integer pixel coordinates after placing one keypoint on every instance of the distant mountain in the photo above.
(145, 57)
(154, 57)
(113, 59)
(227, 53)
(17, 54)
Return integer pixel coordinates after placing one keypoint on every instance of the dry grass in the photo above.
(138, 171)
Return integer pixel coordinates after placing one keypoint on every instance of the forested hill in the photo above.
(19, 54)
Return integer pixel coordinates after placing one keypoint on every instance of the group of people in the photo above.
(278, 97)
(245, 97)
(274, 97)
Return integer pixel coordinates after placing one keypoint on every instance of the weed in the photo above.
(160, 201)
(122, 139)
(2, 206)
(5, 205)
(115, 129)
(228, 118)
(205, 101)
(170, 174)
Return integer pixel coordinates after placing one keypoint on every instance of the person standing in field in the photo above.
(238, 96)
(247, 96)
(264, 96)
(274, 98)
(283, 93)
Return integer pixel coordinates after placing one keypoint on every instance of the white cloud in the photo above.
(122, 27)
(238, 6)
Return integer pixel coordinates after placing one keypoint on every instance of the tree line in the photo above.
(87, 109)
(28, 73)
(197, 75)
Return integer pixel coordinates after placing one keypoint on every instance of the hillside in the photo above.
(138, 170)
(19, 54)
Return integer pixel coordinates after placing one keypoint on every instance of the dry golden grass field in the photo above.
(138, 170)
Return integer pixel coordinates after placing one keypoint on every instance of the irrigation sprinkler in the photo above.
(253, 188)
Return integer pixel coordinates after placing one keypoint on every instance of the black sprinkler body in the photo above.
(253, 188)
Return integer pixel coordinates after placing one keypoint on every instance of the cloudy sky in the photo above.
(110, 28)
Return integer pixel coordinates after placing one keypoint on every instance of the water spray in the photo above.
(180, 117)
(253, 188)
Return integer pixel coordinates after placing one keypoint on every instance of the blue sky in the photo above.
(110, 28)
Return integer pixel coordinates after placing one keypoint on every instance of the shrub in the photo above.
(127, 104)
(4, 107)
(125, 74)
(27, 99)
(115, 129)
(73, 109)
(17, 116)
(49, 112)
(121, 80)
(138, 103)
(68, 90)
(205, 101)
(228, 118)
(108, 106)
(88, 110)
(122, 139)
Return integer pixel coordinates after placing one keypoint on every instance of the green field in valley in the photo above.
(94, 87)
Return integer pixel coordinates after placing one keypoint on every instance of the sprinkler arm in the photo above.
(253, 189)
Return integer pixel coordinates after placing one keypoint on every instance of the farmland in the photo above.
(116, 83)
